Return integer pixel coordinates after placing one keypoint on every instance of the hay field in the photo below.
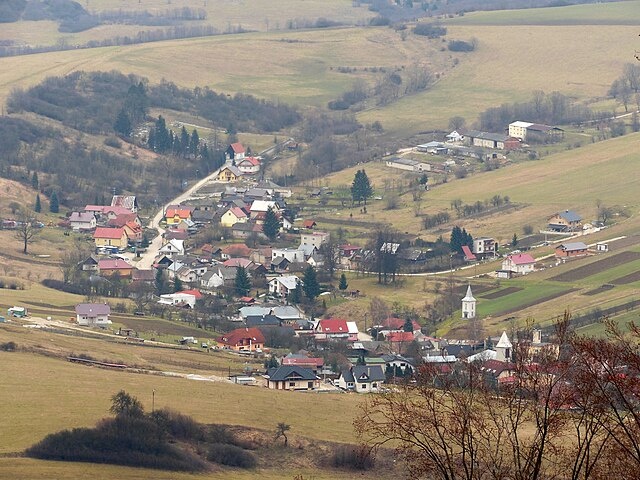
(509, 64)
(35, 386)
(617, 13)
(297, 67)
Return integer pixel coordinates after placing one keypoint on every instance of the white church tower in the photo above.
(503, 348)
(469, 305)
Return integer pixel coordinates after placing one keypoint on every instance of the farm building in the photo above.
(521, 130)
(567, 221)
(435, 148)
(408, 164)
(497, 141)
(572, 249)
(93, 314)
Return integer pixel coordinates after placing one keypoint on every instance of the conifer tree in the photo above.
(242, 282)
(54, 206)
(122, 125)
(34, 180)
(311, 286)
(343, 282)
(38, 207)
(271, 225)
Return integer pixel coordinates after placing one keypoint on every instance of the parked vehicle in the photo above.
(19, 312)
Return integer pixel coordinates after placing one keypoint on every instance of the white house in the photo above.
(519, 129)
(249, 165)
(455, 137)
(283, 286)
(293, 255)
(362, 378)
(178, 299)
(261, 206)
(314, 238)
(82, 221)
(172, 247)
(519, 264)
(93, 314)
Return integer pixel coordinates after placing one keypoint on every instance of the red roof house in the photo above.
(245, 339)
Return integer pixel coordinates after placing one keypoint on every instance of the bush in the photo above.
(178, 425)
(353, 457)
(231, 455)
(112, 142)
(8, 347)
(430, 30)
(461, 46)
(527, 229)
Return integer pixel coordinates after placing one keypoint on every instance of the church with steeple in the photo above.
(469, 305)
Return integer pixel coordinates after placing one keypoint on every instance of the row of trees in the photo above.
(568, 411)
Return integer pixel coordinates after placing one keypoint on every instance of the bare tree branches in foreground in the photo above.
(567, 410)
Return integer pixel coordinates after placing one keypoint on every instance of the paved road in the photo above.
(146, 259)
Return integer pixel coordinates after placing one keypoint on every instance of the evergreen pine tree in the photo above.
(160, 282)
(54, 206)
(242, 282)
(310, 283)
(34, 180)
(388, 372)
(271, 225)
(194, 143)
(183, 147)
(177, 284)
(514, 240)
(122, 125)
(457, 240)
(296, 294)
(38, 207)
(343, 282)
(408, 325)
(361, 187)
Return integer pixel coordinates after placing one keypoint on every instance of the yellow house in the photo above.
(232, 216)
(176, 214)
(111, 237)
(229, 173)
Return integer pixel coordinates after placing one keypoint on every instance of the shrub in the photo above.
(430, 30)
(353, 457)
(231, 455)
(112, 142)
(8, 347)
(461, 46)
(527, 229)
(178, 425)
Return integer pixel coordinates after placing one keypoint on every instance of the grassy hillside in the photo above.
(617, 13)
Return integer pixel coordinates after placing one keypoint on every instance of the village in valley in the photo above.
(236, 255)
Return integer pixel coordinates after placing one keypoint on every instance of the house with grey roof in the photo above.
(93, 314)
(362, 378)
(291, 377)
(567, 221)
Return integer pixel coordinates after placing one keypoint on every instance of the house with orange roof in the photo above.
(232, 216)
(111, 237)
(115, 267)
(235, 151)
(176, 214)
(242, 339)
(249, 165)
(133, 231)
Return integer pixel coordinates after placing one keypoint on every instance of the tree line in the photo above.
(553, 109)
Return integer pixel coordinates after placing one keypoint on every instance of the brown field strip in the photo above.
(596, 267)
(625, 242)
(501, 293)
(632, 277)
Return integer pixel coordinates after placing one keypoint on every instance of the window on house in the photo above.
(292, 384)
(374, 385)
(363, 386)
